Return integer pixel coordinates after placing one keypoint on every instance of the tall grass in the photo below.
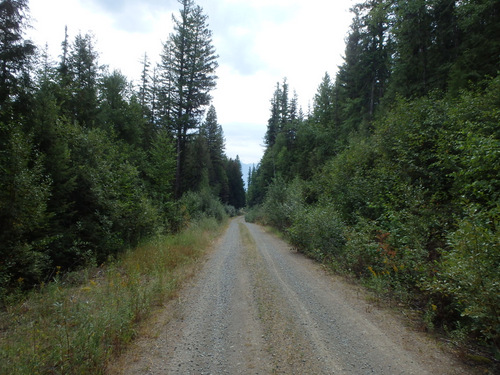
(75, 324)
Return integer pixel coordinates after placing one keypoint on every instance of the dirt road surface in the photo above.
(257, 307)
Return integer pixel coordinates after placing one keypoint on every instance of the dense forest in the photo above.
(89, 163)
(393, 175)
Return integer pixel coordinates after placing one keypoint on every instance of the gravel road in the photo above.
(257, 307)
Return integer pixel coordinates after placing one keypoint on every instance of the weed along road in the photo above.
(257, 307)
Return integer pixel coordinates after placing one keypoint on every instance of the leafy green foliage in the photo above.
(109, 196)
(344, 180)
(318, 231)
(199, 205)
(281, 203)
(160, 172)
(469, 271)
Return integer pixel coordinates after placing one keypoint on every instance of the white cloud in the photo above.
(242, 98)
(131, 15)
(245, 140)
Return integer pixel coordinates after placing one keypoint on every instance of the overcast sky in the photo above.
(259, 42)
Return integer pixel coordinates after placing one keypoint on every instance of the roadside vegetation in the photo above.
(393, 176)
(79, 321)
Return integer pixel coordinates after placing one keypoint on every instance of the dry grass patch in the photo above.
(70, 327)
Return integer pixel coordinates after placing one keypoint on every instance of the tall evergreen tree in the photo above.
(214, 137)
(120, 113)
(378, 50)
(145, 89)
(147, 97)
(479, 48)
(189, 63)
(274, 121)
(284, 113)
(413, 32)
(15, 50)
(63, 66)
(364, 75)
(24, 192)
(350, 77)
(282, 110)
(83, 73)
(446, 35)
(323, 106)
(235, 180)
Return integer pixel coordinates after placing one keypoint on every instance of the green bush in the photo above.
(281, 203)
(361, 249)
(113, 209)
(353, 183)
(469, 272)
(318, 231)
(203, 204)
(231, 211)
(255, 214)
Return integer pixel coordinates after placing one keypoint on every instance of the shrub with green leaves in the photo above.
(469, 272)
(318, 231)
(254, 214)
(113, 208)
(282, 202)
(203, 204)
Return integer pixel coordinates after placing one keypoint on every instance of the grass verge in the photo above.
(75, 324)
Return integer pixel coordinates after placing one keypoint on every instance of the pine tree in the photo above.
(413, 33)
(63, 66)
(351, 77)
(83, 75)
(53, 135)
(274, 121)
(363, 77)
(284, 112)
(214, 138)
(119, 111)
(446, 44)
(196, 165)
(155, 113)
(15, 51)
(188, 63)
(323, 107)
(161, 168)
(145, 89)
(236, 185)
(479, 48)
(24, 192)
(280, 113)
